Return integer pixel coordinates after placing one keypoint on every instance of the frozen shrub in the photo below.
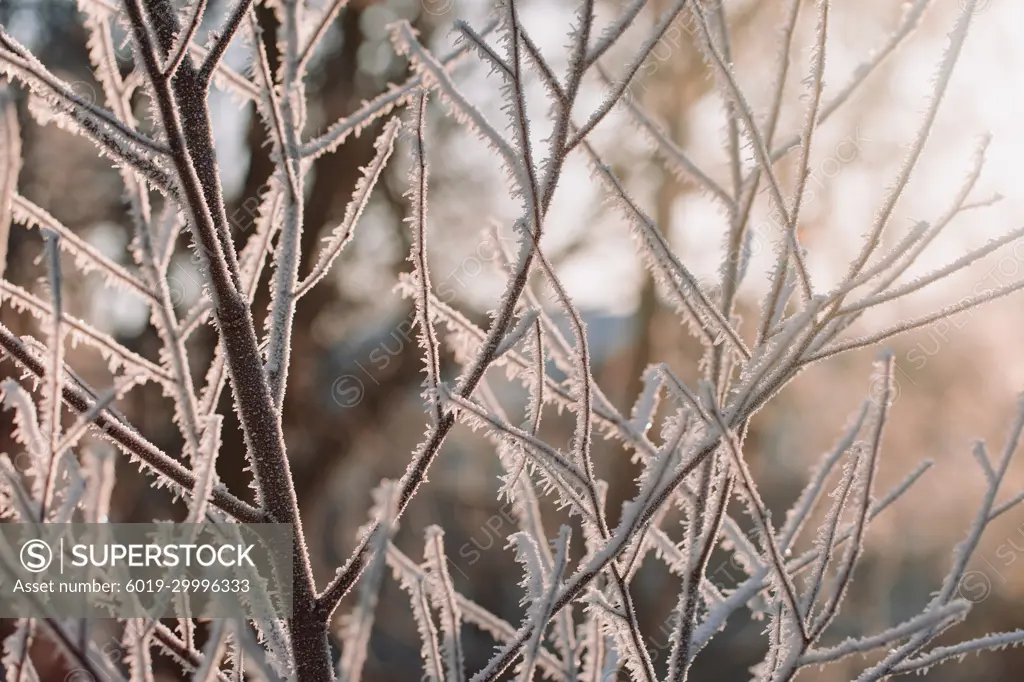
(580, 622)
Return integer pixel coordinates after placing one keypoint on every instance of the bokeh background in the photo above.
(353, 412)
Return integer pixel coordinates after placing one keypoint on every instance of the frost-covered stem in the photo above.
(731, 269)
(380, 105)
(665, 264)
(759, 513)
(528, 513)
(613, 32)
(258, 250)
(128, 438)
(934, 276)
(735, 95)
(15, 55)
(84, 660)
(185, 39)
(418, 256)
(955, 611)
(827, 543)
(81, 425)
(911, 20)
(23, 664)
(358, 625)
(827, 537)
(10, 167)
(856, 546)
(136, 643)
(328, 600)
(788, 29)
(753, 585)
(430, 652)
(681, 656)
(167, 326)
(31, 215)
(938, 655)
(905, 254)
(92, 663)
(163, 316)
(441, 592)
(673, 155)
(216, 53)
(800, 511)
(190, 96)
(471, 611)
(739, 226)
(652, 501)
(780, 273)
(623, 83)
(761, 152)
(583, 379)
(55, 375)
(261, 422)
(563, 472)
(542, 603)
(903, 327)
(732, 122)
(344, 231)
(315, 36)
(816, 86)
(582, 436)
(956, 42)
(216, 645)
(578, 57)
(994, 478)
(286, 266)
